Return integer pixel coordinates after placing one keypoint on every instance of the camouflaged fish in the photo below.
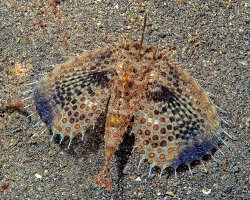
(172, 118)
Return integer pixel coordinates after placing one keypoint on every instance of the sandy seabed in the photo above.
(210, 40)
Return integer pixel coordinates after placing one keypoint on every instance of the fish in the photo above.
(171, 116)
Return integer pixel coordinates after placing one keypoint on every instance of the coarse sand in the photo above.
(210, 40)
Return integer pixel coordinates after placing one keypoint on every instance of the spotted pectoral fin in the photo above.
(175, 124)
(159, 131)
(75, 103)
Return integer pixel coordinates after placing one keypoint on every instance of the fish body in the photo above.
(172, 118)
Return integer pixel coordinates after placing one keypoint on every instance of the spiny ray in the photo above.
(29, 97)
(225, 144)
(25, 107)
(42, 132)
(224, 121)
(27, 91)
(189, 168)
(33, 83)
(221, 151)
(37, 124)
(226, 133)
(214, 159)
(205, 169)
(175, 172)
(28, 117)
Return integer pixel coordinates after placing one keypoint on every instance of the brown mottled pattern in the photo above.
(172, 118)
